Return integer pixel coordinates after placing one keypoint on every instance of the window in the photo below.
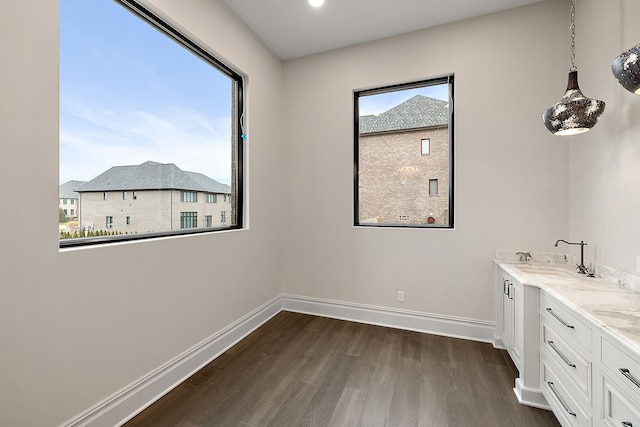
(128, 220)
(64, 201)
(208, 221)
(110, 104)
(109, 223)
(73, 212)
(212, 198)
(188, 219)
(188, 196)
(433, 187)
(223, 217)
(426, 146)
(392, 179)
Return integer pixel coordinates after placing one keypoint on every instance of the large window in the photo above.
(404, 155)
(145, 110)
(188, 219)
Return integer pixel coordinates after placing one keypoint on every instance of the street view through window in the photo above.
(403, 153)
(149, 128)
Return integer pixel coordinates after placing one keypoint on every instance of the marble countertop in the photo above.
(615, 309)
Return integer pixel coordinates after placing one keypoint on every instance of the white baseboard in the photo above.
(128, 402)
(456, 327)
(530, 396)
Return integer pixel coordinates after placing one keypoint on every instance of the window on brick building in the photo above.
(426, 146)
(188, 219)
(393, 178)
(188, 196)
(433, 187)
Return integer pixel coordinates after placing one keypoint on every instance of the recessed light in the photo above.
(316, 3)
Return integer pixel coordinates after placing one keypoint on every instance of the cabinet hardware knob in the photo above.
(559, 319)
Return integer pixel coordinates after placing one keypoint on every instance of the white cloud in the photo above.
(92, 141)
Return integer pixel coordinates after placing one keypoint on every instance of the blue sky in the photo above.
(129, 94)
(379, 103)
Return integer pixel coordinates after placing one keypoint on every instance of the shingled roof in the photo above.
(153, 176)
(68, 190)
(417, 112)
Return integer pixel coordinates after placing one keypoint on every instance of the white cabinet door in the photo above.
(517, 328)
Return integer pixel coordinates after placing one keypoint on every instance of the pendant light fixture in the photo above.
(574, 113)
(626, 69)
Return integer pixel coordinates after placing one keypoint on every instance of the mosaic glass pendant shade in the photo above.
(574, 113)
(626, 69)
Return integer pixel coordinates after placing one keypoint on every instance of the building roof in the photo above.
(153, 176)
(417, 112)
(68, 190)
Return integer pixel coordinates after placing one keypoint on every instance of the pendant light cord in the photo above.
(573, 36)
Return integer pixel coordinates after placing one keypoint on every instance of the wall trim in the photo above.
(530, 396)
(455, 327)
(123, 405)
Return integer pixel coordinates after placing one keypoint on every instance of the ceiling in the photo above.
(292, 28)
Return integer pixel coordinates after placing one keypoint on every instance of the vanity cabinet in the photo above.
(517, 331)
(620, 374)
(572, 353)
(566, 362)
(512, 332)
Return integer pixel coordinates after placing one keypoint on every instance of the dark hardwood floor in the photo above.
(302, 370)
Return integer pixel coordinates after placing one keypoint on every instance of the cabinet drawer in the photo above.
(560, 396)
(561, 318)
(619, 408)
(622, 367)
(561, 353)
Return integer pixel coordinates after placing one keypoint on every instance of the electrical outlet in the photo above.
(401, 296)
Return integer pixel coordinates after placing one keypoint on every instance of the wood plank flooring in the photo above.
(302, 370)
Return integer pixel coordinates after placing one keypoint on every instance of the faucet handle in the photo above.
(524, 256)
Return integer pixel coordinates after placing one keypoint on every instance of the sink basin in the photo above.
(545, 270)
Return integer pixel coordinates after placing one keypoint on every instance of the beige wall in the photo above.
(511, 175)
(68, 344)
(604, 165)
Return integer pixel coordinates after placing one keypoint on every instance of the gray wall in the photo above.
(511, 176)
(78, 325)
(604, 165)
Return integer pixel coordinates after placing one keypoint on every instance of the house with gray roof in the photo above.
(403, 163)
(68, 197)
(153, 197)
(417, 112)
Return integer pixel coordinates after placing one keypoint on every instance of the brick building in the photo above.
(153, 197)
(403, 164)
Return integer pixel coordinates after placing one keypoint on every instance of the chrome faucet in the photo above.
(581, 268)
(524, 256)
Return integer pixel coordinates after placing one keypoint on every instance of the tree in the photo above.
(63, 216)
